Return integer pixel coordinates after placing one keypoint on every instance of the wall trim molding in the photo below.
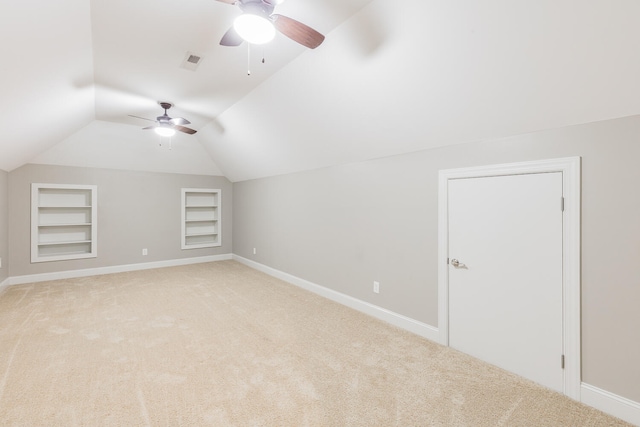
(611, 403)
(422, 329)
(571, 240)
(4, 284)
(68, 274)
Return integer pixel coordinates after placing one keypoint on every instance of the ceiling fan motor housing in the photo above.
(164, 119)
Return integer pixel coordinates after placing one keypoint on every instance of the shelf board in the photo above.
(201, 220)
(200, 234)
(64, 207)
(63, 256)
(76, 224)
(68, 242)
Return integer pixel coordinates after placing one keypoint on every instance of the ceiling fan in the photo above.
(165, 125)
(258, 25)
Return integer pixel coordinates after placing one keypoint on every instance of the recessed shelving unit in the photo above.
(63, 222)
(201, 222)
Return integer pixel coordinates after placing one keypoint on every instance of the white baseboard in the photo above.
(32, 278)
(610, 403)
(4, 284)
(411, 325)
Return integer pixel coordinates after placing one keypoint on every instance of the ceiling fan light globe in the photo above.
(254, 29)
(165, 131)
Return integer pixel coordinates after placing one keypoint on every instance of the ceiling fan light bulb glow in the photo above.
(165, 131)
(254, 29)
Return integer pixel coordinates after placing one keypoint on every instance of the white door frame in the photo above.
(570, 168)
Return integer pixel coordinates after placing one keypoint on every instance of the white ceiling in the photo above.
(391, 77)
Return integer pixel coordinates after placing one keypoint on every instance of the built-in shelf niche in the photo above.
(201, 222)
(63, 222)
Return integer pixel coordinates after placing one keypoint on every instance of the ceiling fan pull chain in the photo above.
(248, 59)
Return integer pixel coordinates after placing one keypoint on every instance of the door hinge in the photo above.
(562, 204)
(562, 361)
(447, 261)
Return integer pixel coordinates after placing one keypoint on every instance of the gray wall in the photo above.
(136, 210)
(4, 224)
(345, 226)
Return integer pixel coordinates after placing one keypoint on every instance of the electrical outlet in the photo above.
(145, 252)
(376, 287)
(254, 251)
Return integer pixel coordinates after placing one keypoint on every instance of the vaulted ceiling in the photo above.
(390, 78)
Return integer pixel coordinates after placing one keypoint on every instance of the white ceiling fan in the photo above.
(258, 25)
(167, 126)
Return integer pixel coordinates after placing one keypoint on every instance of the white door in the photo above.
(505, 294)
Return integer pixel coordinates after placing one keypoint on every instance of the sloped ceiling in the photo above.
(45, 50)
(391, 77)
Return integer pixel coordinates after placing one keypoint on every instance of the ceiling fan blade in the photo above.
(138, 117)
(150, 127)
(231, 38)
(228, 1)
(179, 121)
(185, 129)
(297, 31)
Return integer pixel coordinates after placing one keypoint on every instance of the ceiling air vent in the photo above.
(191, 61)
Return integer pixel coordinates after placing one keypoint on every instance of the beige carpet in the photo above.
(220, 344)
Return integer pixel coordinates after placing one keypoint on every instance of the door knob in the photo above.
(457, 264)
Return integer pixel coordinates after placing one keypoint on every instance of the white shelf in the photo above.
(199, 234)
(200, 218)
(63, 207)
(63, 222)
(78, 224)
(70, 242)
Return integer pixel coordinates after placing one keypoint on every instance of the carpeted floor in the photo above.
(223, 345)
